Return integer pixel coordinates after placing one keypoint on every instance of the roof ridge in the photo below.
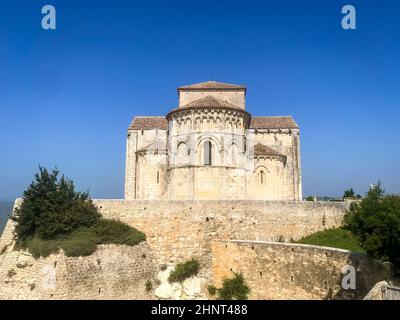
(287, 116)
(208, 97)
(149, 122)
(211, 84)
(149, 117)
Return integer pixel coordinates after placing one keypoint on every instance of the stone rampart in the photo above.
(295, 271)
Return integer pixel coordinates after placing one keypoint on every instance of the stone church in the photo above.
(211, 148)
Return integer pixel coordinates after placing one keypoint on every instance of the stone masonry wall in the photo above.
(294, 271)
(179, 230)
(111, 272)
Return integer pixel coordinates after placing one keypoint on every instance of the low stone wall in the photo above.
(294, 271)
(178, 230)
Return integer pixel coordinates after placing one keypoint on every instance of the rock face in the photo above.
(193, 288)
(111, 272)
(376, 291)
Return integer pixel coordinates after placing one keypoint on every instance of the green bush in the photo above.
(38, 247)
(54, 216)
(234, 288)
(375, 220)
(335, 238)
(349, 193)
(83, 241)
(51, 206)
(212, 290)
(184, 271)
(116, 232)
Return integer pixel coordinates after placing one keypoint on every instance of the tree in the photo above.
(349, 193)
(376, 223)
(51, 206)
(310, 198)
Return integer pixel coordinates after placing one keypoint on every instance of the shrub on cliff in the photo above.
(54, 216)
(234, 288)
(51, 206)
(116, 232)
(83, 241)
(376, 222)
(184, 270)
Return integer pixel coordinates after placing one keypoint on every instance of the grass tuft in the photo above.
(184, 270)
(84, 240)
(335, 238)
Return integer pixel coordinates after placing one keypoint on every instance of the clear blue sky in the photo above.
(67, 96)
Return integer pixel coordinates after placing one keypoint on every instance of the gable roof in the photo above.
(282, 122)
(140, 123)
(208, 101)
(212, 85)
(262, 150)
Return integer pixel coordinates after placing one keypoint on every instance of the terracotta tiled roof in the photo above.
(140, 123)
(208, 101)
(286, 122)
(212, 85)
(143, 123)
(263, 150)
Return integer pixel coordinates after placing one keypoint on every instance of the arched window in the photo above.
(158, 176)
(262, 177)
(207, 153)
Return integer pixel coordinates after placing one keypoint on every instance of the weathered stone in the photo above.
(191, 288)
(203, 221)
(122, 274)
(376, 292)
(23, 264)
(273, 270)
(168, 291)
(278, 270)
(194, 287)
